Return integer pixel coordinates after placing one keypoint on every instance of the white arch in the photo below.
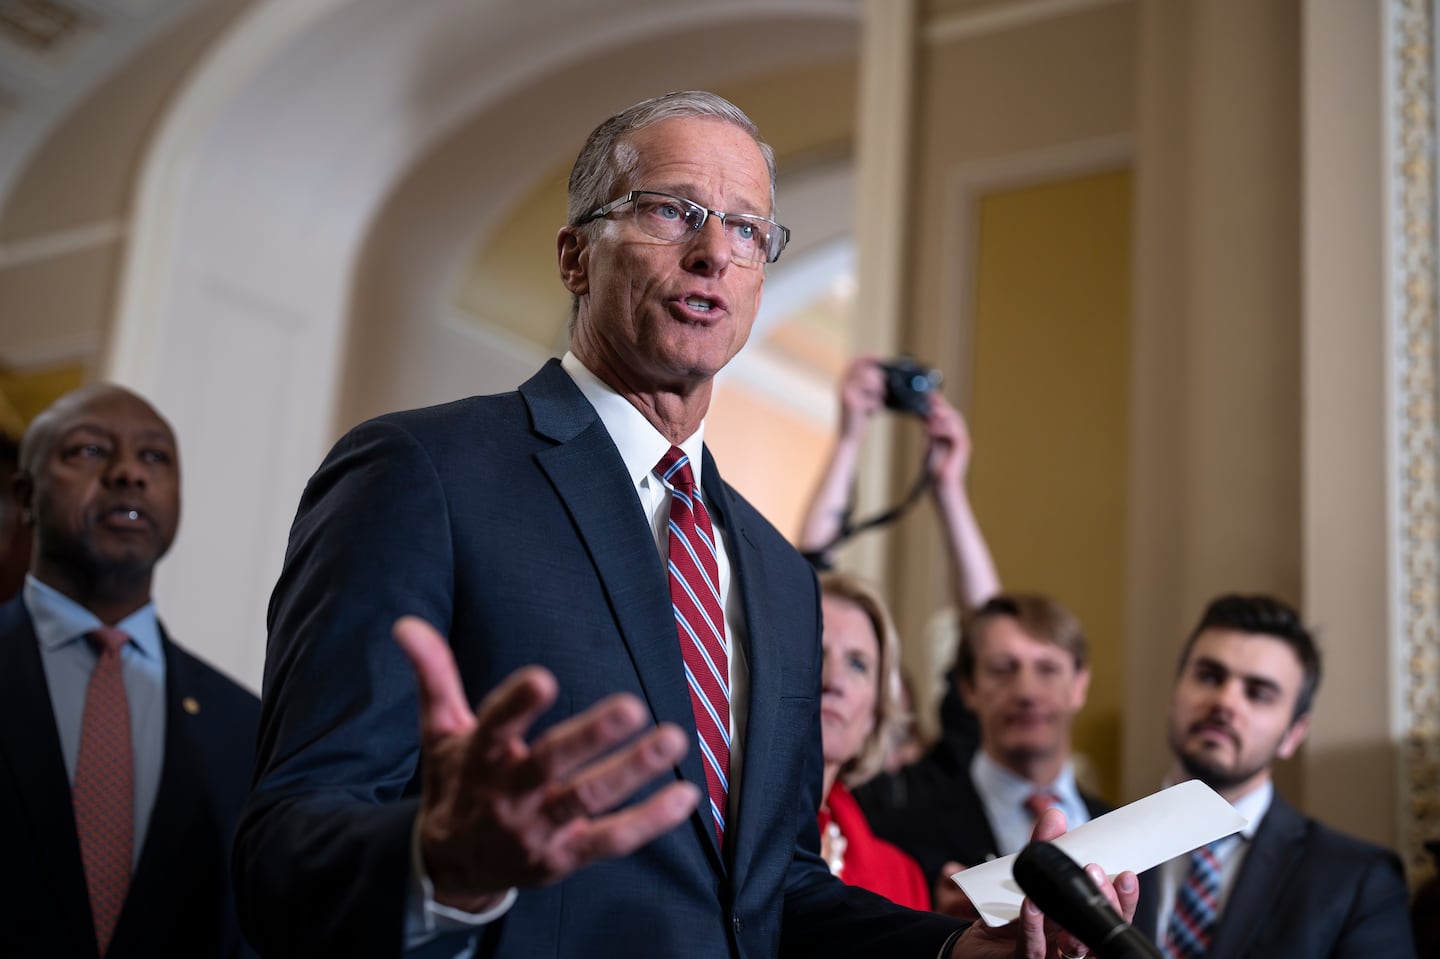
(255, 203)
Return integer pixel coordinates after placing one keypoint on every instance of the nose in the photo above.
(125, 470)
(830, 673)
(1224, 697)
(708, 252)
(1027, 683)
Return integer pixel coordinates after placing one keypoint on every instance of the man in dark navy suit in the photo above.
(555, 536)
(118, 815)
(1286, 886)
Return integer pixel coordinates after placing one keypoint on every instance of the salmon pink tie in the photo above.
(104, 792)
(700, 624)
(1037, 802)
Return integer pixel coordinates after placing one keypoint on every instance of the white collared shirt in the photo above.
(642, 446)
(1253, 806)
(1003, 794)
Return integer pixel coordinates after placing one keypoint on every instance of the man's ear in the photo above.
(572, 248)
(966, 689)
(1293, 737)
(1080, 689)
(22, 487)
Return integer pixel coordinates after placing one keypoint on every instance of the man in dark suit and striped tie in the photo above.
(641, 773)
(1286, 886)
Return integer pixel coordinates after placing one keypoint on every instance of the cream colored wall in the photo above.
(1025, 104)
(1216, 383)
(62, 225)
(1347, 530)
(1049, 416)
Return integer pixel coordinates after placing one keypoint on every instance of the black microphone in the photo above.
(1058, 885)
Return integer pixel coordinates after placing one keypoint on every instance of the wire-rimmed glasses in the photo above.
(753, 239)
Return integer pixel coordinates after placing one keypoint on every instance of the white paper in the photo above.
(1136, 837)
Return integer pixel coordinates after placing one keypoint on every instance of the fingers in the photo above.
(949, 898)
(601, 786)
(444, 710)
(1033, 944)
(1127, 892)
(1050, 826)
(624, 832)
(581, 738)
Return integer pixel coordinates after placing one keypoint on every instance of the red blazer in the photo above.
(871, 862)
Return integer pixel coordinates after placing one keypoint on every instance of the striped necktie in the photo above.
(700, 625)
(1197, 903)
(104, 790)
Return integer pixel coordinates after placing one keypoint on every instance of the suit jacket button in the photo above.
(739, 925)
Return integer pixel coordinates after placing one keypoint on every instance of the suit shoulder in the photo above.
(1333, 847)
(219, 689)
(435, 423)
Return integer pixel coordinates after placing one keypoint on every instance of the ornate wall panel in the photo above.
(1415, 388)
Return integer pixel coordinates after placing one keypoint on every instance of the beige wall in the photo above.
(996, 109)
(62, 224)
(1049, 416)
(1216, 379)
(1207, 94)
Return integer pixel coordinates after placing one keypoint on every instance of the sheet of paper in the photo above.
(1136, 837)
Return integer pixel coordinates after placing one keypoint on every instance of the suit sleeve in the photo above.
(322, 850)
(1379, 920)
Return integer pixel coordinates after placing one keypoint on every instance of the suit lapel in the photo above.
(748, 575)
(590, 478)
(30, 758)
(1272, 856)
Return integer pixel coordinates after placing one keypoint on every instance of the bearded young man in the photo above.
(1286, 886)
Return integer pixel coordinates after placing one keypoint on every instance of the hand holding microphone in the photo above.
(1061, 890)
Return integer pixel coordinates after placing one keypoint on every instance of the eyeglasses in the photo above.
(753, 239)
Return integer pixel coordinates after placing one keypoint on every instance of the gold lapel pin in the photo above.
(190, 705)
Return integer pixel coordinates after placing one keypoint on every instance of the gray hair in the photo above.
(608, 157)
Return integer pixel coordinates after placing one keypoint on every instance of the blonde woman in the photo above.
(859, 703)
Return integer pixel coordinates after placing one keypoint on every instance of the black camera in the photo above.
(908, 385)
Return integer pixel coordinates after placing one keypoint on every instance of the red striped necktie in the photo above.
(104, 791)
(700, 625)
(1192, 922)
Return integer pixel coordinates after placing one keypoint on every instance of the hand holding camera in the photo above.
(908, 385)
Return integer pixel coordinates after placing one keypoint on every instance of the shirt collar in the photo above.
(59, 620)
(1253, 806)
(994, 779)
(640, 444)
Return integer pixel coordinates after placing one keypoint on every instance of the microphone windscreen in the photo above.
(1057, 884)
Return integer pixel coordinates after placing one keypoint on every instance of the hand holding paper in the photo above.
(1136, 837)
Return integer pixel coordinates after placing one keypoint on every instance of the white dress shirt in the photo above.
(1003, 794)
(1253, 806)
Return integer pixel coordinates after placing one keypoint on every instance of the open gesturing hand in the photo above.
(498, 810)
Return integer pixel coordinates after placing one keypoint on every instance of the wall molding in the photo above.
(1414, 385)
(964, 26)
(969, 183)
(50, 246)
